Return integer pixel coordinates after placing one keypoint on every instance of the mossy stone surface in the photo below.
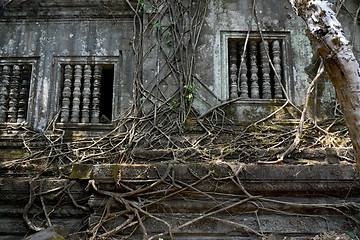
(81, 171)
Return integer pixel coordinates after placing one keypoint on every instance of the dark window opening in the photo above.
(107, 93)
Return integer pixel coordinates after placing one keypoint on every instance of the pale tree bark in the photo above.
(339, 60)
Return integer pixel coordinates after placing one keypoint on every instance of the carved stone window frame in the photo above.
(115, 61)
(286, 62)
(34, 62)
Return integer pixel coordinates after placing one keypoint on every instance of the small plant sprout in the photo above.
(174, 105)
(220, 4)
(191, 91)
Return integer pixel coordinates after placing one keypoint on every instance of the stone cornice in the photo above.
(66, 9)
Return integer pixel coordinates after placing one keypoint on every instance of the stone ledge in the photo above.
(333, 178)
(296, 184)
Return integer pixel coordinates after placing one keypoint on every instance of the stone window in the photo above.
(86, 92)
(86, 95)
(249, 72)
(14, 91)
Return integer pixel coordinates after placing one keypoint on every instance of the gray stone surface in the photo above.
(280, 178)
(45, 31)
(274, 16)
(55, 232)
(296, 184)
(66, 32)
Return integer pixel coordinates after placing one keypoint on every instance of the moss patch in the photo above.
(81, 171)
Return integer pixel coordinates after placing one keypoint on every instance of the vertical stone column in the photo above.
(85, 111)
(265, 68)
(66, 94)
(95, 111)
(277, 66)
(233, 69)
(14, 94)
(254, 71)
(75, 111)
(244, 88)
(4, 92)
(24, 93)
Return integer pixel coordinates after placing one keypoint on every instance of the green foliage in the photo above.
(165, 32)
(30, 174)
(174, 106)
(147, 6)
(352, 235)
(191, 91)
(141, 5)
(220, 4)
(157, 25)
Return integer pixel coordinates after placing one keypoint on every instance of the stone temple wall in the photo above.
(44, 38)
(72, 63)
(48, 35)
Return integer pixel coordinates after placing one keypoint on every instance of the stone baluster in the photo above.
(66, 94)
(95, 111)
(233, 69)
(24, 93)
(1, 70)
(233, 78)
(1, 89)
(14, 94)
(244, 90)
(254, 87)
(265, 68)
(4, 92)
(75, 111)
(277, 66)
(85, 111)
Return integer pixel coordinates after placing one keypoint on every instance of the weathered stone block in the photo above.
(55, 232)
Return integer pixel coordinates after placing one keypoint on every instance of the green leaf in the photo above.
(352, 235)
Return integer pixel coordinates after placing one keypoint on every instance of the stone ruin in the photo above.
(72, 66)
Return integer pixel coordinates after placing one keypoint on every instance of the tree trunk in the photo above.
(339, 60)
